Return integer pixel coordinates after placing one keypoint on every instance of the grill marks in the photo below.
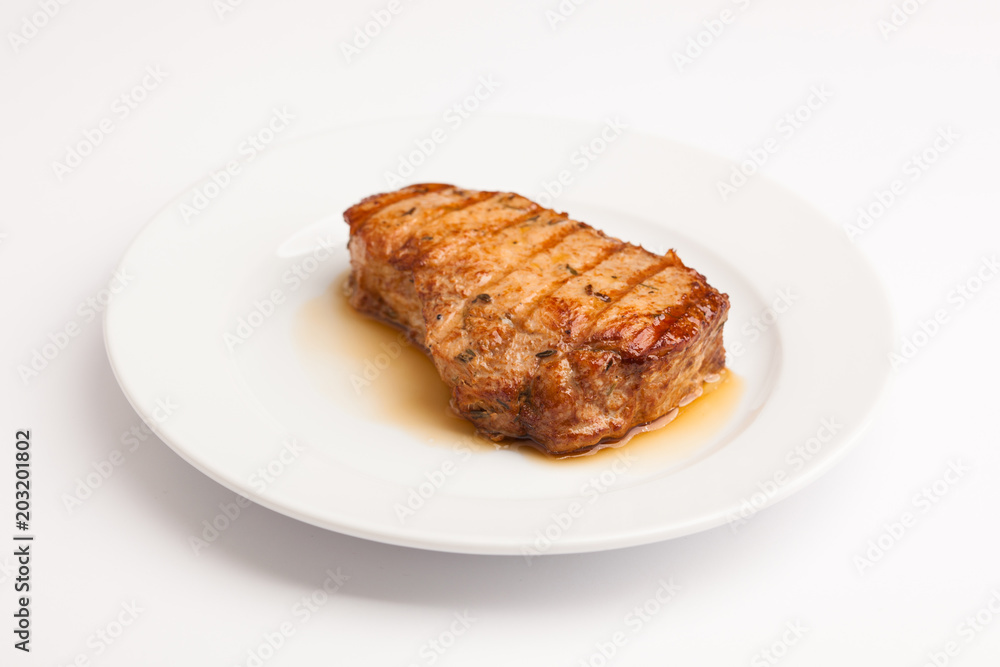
(652, 320)
(507, 354)
(397, 223)
(608, 247)
(447, 289)
(358, 214)
(545, 276)
(533, 235)
(572, 308)
(455, 233)
(515, 296)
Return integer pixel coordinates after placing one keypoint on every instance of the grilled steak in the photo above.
(543, 327)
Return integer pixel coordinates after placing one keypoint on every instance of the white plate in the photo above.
(362, 451)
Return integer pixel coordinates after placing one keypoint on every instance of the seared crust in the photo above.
(543, 327)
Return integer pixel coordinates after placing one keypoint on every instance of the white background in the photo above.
(796, 562)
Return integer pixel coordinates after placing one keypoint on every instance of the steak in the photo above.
(542, 326)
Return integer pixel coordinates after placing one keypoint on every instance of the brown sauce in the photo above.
(392, 382)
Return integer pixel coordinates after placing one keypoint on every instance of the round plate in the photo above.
(249, 365)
